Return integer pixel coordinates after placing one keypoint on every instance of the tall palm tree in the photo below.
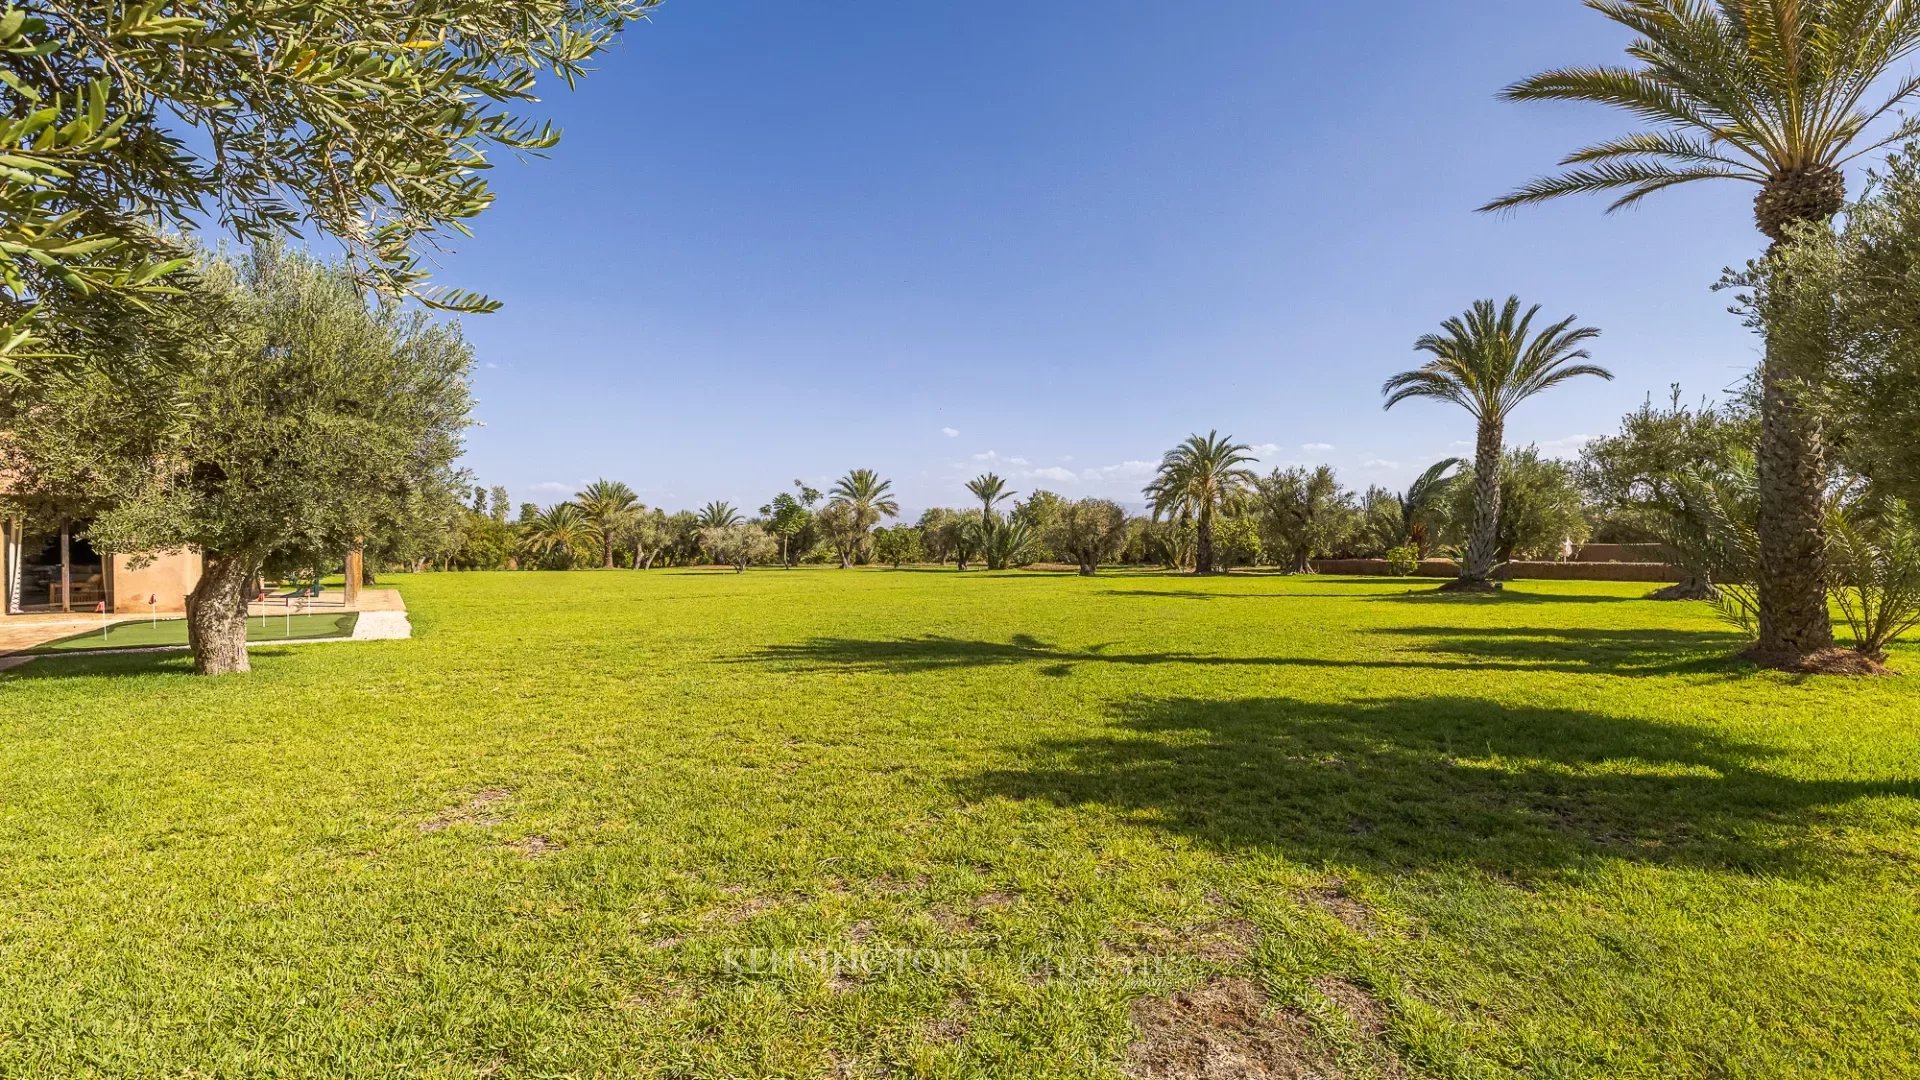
(719, 515)
(1782, 94)
(865, 498)
(560, 529)
(609, 506)
(1488, 361)
(1199, 478)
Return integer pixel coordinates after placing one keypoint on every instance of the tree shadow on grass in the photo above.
(1624, 651)
(1652, 652)
(1439, 782)
(1414, 592)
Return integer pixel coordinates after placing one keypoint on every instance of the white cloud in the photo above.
(1056, 474)
(1567, 447)
(951, 433)
(1264, 450)
(553, 487)
(1316, 447)
(1379, 463)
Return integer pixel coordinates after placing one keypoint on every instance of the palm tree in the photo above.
(989, 489)
(867, 499)
(609, 507)
(561, 529)
(719, 515)
(1197, 479)
(1425, 498)
(1774, 93)
(1488, 361)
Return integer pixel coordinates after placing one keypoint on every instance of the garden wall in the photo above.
(1519, 571)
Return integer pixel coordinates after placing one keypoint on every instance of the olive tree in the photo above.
(1089, 531)
(294, 422)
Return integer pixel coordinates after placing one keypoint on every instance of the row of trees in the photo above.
(1285, 518)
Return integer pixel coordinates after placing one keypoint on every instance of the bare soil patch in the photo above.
(476, 810)
(1824, 662)
(1224, 1030)
(534, 846)
(1335, 901)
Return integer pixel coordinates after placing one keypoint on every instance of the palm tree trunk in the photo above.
(1484, 540)
(1203, 547)
(1794, 621)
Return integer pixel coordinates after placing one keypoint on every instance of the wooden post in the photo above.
(66, 566)
(356, 572)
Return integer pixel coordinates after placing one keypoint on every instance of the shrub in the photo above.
(1403, 561)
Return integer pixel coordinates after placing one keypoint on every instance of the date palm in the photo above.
(866, 499)
(1782, 94)
(1488, 361)
(990, 489)
(560, 530)
(610, 507)
(1197, 479)
(719, 515)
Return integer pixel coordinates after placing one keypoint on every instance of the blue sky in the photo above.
(783, 240)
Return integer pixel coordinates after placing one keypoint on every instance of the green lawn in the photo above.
(1549, 834)
(148, 634)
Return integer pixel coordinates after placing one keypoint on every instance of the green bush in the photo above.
(1403, 561)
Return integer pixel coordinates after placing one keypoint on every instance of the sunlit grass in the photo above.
(1555, 833)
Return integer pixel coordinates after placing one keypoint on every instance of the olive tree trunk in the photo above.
(217, 615)
(1792, 472)
(1483, 542)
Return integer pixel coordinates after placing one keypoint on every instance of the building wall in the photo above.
(167, 578)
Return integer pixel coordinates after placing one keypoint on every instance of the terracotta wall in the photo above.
(1518, 571)
(168, 578)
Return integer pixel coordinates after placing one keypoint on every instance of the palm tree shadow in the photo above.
(1627, 651)
(1438, 782)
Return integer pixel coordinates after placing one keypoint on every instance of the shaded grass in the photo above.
(966, 821)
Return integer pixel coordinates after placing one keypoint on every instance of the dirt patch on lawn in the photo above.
(534, 846)
(477, 810)
(1334, 899)
(1224, 1030)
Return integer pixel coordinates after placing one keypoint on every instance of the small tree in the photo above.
(1090, 532)
(1236, 541)
(739, 546)
(790, 517)
(1305, 514)
(897, 546)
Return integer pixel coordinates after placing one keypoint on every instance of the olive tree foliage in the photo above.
(1635, 479)
(1840, 308)
(1237, 542)
(369, 122)
(1304, 514)
(944, 536)
(898, 545)
(739, 546)
(1088, 532)
(289, 422)
(1542, 514)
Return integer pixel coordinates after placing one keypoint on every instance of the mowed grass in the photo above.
(172, 633)
(968, 822)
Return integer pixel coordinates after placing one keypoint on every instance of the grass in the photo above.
(172, 633)
(622, 824)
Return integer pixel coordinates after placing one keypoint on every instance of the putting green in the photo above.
(144, 634)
